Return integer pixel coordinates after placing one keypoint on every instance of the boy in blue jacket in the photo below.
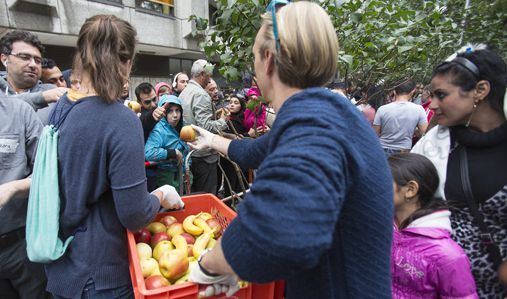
(165, 136)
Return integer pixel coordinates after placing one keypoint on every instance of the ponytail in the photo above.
(406, 167)
(105, 51)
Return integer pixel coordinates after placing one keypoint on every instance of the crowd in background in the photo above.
(443, 143)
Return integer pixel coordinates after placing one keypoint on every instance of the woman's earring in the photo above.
(471, 115)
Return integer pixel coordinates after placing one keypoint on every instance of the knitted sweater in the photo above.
(102, 192)
(319, 214)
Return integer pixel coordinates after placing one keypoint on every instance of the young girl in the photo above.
(166, 135)
(257, 118)
(425, 261)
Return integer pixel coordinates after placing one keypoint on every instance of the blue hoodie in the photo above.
(164, 137)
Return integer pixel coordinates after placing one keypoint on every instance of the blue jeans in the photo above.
(89, 292)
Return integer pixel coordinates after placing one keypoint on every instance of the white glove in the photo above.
(227, 284)
(204, 139)
(170, 197)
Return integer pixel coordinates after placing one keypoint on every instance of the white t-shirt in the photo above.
(397, 122)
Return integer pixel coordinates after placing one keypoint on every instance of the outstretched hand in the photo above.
(203, 140)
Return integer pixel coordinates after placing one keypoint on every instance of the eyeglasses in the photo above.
(272, 8)
(27, 57)
(149, 101)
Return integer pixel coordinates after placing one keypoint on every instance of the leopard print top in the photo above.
(466, 233)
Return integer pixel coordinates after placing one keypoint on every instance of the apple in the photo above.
(134, 106)
(168, 220)
(142, 236)
(148, 266)
(162, 247)
(155, 282)
(143, 250)
(159, 237)
(215, 227)
(188, 134)
(190, 239)
(190, 250)
(156, 227)
(173, 264)
(175, 229)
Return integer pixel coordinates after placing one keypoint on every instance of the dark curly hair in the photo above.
(491, 67)
(19, 35)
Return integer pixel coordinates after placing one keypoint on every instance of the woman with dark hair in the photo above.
(425, 261)
(100, 167)
(468, 98)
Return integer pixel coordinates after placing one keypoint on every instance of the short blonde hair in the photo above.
(308, 51)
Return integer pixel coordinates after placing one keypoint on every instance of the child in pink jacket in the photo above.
(425, 261)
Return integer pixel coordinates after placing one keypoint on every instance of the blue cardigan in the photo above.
(102, 192)
(319, 214)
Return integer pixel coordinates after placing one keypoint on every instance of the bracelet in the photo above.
(206, 272)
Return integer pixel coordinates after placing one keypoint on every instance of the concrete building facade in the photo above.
(166, 45)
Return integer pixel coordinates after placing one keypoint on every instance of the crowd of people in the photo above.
(396, 192)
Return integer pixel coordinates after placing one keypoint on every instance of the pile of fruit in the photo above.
(166, 248)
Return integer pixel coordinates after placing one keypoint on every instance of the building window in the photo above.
(111, 2)
(161, 7)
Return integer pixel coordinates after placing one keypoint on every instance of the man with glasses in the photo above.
(21, 55)
(20, 127)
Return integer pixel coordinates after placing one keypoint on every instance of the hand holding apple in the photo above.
(203, 141)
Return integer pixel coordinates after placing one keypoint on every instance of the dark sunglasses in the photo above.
(149, 101)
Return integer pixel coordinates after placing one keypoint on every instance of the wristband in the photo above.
(171, 154)
(206, 272)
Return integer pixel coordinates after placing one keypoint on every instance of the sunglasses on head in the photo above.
(149, 101)
(272, 7)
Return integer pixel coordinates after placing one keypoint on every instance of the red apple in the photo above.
(159, 237)
(155, 282)
(215, 226)
(168, 220)
(142, 236)
(190, 239)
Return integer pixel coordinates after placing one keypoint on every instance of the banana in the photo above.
(200, 244)
(202, 224)
(190, 227)
(180, 243)
(204, 215)
(212, 242)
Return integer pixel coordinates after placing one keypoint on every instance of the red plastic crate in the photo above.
(193, 205)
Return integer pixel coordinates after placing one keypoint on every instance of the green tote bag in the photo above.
(42, 224)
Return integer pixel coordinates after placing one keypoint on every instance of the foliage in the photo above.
(380, 40)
